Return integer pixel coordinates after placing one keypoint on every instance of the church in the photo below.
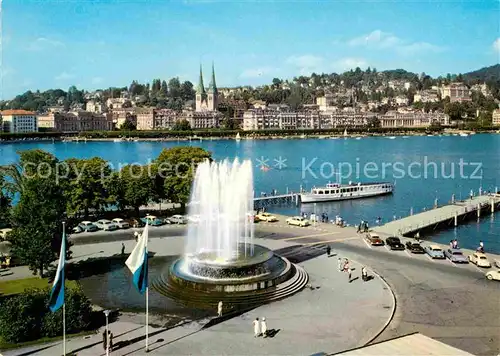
(207, 100)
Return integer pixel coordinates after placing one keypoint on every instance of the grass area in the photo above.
(17, 286)
(8, 346)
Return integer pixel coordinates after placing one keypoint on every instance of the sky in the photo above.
(96, 44)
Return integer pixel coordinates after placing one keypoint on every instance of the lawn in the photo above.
(17, 286)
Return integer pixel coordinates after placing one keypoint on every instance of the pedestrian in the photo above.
(366, 227)
(364, 274)
(340, 264)
(471, 194)
(481, 246)
(455, 243)
(256, 328)
(359, 228)
(104, 340)
(219, 309)
(123, 248)
(110, 334)
(451, 243)
(263, 327)
(328, 250)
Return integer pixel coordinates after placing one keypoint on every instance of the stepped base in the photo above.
(238, 287)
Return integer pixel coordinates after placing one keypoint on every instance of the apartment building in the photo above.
(165, 119)
(456, 92)
(496, 117)
(394, 119)
(19, 121)
(145, 118)
(76, 121)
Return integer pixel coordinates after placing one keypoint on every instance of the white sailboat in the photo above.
(345, 133)
(237, 138)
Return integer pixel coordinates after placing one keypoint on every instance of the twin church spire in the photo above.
(207, 100)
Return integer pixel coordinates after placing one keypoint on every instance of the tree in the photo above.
(85, 186)
(373, 122)
(37, 217)
(164, 89)
(176, 167)
(137, 188)
(5, 201)
(174, 88)
(181, 125)
(230, 124)
(128, 126)
(187, 91)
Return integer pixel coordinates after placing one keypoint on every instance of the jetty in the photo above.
(449, 215)
(281, 199)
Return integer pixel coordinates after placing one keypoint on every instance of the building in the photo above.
(145, 118)
(202, 119)
(482, 88)
(165, 119)
(122, 115)
(401, 100)
(207, 100)
(76, 121)
(456, 92)
(496, 117)
(94, 106)
(426, 96)
(394, 119)
(19, 121)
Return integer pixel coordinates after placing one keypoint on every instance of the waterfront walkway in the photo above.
(448, 215)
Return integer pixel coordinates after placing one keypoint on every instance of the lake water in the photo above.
(423, 168)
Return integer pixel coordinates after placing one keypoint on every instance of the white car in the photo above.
(298, 221)
(178, 219)
(267, 217)
(120, 223)
(479, 259)
(493, 275)
(105, 225)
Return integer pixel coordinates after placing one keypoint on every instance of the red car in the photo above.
(374, 240)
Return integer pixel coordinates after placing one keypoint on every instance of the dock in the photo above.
(282, 199)
(449, 215)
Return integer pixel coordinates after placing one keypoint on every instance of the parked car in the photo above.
(298, 221)
(77, 229)
(267, 217)
(394, 243)
(178, 219)
(106, 225)
(497, 263)
(152, 220)
(493, 275)
(136, 222)
(4, 233)
(455, 255)
(479, 259)
(88, 226)
(414, 247)
(121, 223)
(374, 239)
(434, 251)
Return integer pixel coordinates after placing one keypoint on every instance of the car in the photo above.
(414, 247)
(394, 243)
(255, 219)
(497, 263)
(493, 275)
(479, 259)
(77, 229)
(152, 220)
(121, 223)
(435, 252)
(88, 226)
(267, 217)
(4, 233)
(136, 222)
(298, 221)
(178, 219)
(106, 225)
(374, 239)
(455, 255)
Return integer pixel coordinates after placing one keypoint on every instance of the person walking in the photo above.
(104, 340)
(481, 246)
(364, 274)
(328, 250)
(123, 248)
(340, 264)
(263, 327)
(256, 328)
(219, 309)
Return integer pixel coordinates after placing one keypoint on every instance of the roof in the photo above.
(413, 344)
(17, 112)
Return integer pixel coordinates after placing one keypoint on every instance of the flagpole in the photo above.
(64, 302)
(147, 293)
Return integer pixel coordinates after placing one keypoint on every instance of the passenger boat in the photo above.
(336, 191)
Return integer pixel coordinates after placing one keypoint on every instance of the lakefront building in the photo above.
(19, 121)
(456, 92)
(77, 121)
(496, 117)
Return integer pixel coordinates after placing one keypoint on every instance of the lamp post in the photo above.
(106, 313)
(314, 221)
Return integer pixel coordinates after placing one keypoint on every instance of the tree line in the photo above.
(49, 191)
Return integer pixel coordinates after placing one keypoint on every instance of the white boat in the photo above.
(391, 137)
(302, 136)
(117, 140)
(336, 191)
(237, 138)
(358, 138)
(464, 134)
(334, 138)
(405, 136)
(345, 133)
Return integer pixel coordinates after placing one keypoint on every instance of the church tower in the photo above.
(201, 96)
(213, 94)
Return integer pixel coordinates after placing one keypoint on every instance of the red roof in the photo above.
(17, 112)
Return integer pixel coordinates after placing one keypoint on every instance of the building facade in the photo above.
(394, 119)
(207, 100)
(145, 118)
(19, 121)
(77, 121)
(456, 92)
(165, 119)
(496, 117)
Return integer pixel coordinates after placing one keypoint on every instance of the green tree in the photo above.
(187, 91)
(5, 203)
(164, 89)
(174, 88)
(128, 126)
(137, 186)
(181, 125)
(37, 217)
(177, 166)
(230, 124)
(85, 186)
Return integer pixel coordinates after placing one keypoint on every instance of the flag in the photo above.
(56, 300)
(137, 262)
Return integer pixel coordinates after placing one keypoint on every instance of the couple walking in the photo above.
(260, 327)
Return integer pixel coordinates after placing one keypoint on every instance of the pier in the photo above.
(449, 215)
(282, 199)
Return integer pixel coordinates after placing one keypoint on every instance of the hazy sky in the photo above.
(93, 44)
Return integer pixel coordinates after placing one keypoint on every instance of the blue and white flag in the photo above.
(56, 300)
(137, 262)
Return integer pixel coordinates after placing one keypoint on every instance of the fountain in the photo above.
(221, 261)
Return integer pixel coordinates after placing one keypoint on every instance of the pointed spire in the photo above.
(212, 87)
(201, 88)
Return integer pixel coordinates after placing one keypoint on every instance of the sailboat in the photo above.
(345, 133)
(237, 138)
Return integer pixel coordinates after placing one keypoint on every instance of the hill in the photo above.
(486, 74)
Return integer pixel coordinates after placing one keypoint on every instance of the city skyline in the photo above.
(110, 43)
